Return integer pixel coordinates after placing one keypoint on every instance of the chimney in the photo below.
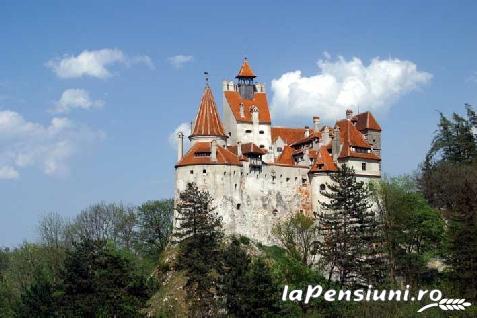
(325, 137)
(254, 111)
(180, 145)
(307, 131)
(336, 144)
(306, 156)
(213, 151)
(316, 123)
(349, 114)
(239, 149)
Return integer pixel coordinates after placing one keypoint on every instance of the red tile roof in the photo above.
(248, 148)
(245, 70)
(259, 100)
(207, 121)
(324, 162)
(288, 135)
(350, 137)
(286, 157)
(310, 138)
(366, 121)
(349, 134)
(193, 157)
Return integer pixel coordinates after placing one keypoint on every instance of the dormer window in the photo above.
(202, 154)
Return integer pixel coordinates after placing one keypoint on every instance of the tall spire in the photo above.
(207, 121)
(245, 71)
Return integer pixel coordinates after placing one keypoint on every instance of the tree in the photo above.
(154, 221)
(101, 221)
(448, 183)
(235, 282)
(52, 228)
(99, 280)
(38, 300)
(350, 245)
(199, 233)
(263, 294)
(413, 232)
(298, 235)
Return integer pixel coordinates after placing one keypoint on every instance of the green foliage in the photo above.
(199, 234)
(154, 221)
(38, 300)
(351, 242)
(99, 280)
(298, 235)
(413, 232)
(455, 141)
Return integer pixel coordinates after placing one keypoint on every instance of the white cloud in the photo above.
(94, 63)
(8, 173)
(178, 61)
(76, 98)
(49, 147)
(342, 84)
(185, 129)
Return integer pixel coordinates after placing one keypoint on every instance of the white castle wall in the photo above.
(250, 203)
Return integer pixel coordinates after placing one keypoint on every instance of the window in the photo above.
(279, 149)
(261, 132)
(262, 146)
(363, 166)
(303, 180)
(248, 131)
(204, 171)
(230, 134)
(287, 179)
(235, 186)
(191, 172)
(238, 206)
(322, 187)
(275, 211)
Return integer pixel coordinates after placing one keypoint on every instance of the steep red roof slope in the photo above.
(289, 135)
(245, 70)
(324, 162)
(200, 154)
(366, 121)
(259, 100)
(207, 121)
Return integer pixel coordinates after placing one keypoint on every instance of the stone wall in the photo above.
(251, 202)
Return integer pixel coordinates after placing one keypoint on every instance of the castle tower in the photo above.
(207, 125)
(245, 80)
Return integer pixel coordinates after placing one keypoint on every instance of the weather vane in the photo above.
(206, 74)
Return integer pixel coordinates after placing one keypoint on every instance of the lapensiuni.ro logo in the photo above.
(370, 294)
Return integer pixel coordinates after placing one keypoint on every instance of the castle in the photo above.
(259, 174)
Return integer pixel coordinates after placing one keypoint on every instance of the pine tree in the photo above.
(350, 245)
(199, 233)
(235, 282)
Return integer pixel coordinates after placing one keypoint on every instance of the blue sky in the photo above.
(74, 134)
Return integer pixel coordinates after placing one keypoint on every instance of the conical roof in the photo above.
(207, 122)
(245, 70)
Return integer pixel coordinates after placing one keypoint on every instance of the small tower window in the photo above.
(261, 132)
(248, 131)
(363, 166)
